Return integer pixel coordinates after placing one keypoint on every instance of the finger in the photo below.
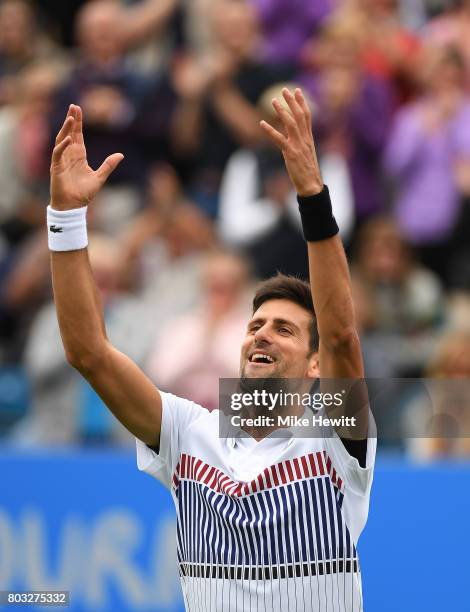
(287, 119)
(60, 148)
(109, 165)
(78, 124)
(66, 128)
(295, 109)
(278, 139)
(308, 117)
(302, 102)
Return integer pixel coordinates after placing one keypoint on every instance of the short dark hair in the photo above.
(283, 287)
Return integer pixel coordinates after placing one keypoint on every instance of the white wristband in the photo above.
(66, 229)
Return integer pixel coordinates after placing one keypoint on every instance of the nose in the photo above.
(262, 335)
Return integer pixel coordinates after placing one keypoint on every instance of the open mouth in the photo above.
(261, 358)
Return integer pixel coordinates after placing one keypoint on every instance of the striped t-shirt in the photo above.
(261, 526)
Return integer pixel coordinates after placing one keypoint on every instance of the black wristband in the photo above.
(318, 222)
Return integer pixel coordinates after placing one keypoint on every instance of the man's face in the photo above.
(100, 30)
(277, 343)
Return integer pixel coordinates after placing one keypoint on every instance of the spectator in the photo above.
(258, 207)
(169, 240)
(438, 423)
(353, 114)
(24, 147)
(287, 26)
(110, 94)
(149, 32)
(21, 43)
(406, 299)
(391, 51)
(214, 328)
(168, 219)
(24, 189)
(429, 141)
(378, 363)
(388, 51)
(452, 29)
(65, 410)
(218, 94)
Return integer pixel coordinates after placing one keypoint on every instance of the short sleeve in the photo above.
(356, 478)
(177, 415)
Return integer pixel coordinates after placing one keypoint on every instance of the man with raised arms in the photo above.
(264, 522)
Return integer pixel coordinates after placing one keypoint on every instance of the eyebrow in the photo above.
(277, 321)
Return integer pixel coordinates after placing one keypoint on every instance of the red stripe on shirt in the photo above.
(290, 470)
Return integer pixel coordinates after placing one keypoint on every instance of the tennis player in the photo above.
(264, 522)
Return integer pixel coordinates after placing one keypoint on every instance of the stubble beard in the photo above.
(275, 373)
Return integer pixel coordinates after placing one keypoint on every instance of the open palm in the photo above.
(73, 182)
(296, 143)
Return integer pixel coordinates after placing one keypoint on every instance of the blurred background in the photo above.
(199, 211)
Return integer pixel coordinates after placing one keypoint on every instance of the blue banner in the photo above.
(91, 524)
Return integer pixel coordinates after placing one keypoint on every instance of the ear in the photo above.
(313, 366)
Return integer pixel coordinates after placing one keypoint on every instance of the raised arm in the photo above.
(123, 387)
(340, 352)
(146, 19)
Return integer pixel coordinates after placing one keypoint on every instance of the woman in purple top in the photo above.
(288, 24)
(353, 112)
(429, 145)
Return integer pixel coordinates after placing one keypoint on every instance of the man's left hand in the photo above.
(296, 143)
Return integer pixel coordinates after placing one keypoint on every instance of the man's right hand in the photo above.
(122, 386)
(73, 183)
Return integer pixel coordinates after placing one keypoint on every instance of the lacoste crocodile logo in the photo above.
(55, 229)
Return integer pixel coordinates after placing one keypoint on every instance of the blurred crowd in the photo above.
(202, 207)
